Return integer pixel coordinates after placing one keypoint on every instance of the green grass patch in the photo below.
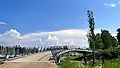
(111, 64)
(67, 63)
(70, 64)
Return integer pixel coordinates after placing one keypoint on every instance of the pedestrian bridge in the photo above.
(57, 55)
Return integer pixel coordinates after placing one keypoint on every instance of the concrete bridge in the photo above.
(57, 55)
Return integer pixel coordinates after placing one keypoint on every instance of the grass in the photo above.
(115, 63)
(111, 64)
(70, 64)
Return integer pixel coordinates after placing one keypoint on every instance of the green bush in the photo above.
(110, 53)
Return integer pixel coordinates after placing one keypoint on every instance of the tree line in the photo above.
(103, 40)
(17, 50)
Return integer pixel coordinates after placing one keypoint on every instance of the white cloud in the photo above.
(110, 5)
(50, 37)
(58, 36)
(76, 37)
(13, 33)
(2, 23)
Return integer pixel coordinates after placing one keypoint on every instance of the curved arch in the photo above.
(74, 50)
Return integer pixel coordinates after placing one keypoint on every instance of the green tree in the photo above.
(118, 35)
(99, 44)
(113, 41)
(106, 39)
(91, 35)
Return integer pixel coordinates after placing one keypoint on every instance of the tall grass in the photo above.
(111, 64)
(71, 64)
(114, 63)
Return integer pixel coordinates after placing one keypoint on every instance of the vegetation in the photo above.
(118, 35)
(91, 35)
(67, 63)
(106, 45)
(70, 64)
(103, 40)
(98, 44)
(111, 64)
(17, 50)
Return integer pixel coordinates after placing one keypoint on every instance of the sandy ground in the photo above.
(39, 60)
(34, 57)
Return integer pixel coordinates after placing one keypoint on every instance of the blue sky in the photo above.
(29, 16)
(50, 15)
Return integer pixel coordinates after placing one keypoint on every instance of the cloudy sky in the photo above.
(40, 22)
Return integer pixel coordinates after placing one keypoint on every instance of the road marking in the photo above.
(44, 56)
